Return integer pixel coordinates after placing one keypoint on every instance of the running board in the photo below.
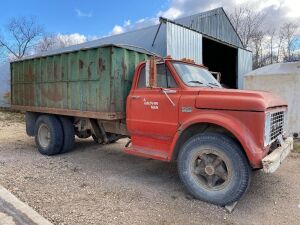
(146, 153)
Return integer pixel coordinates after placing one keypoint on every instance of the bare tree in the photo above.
(272, 35)
(287, 35)
(45, 43)
(247, 22)
(59, 41)
(236, 18)
(21, 34)
(267, 46)
(257, 41)
(280, 48)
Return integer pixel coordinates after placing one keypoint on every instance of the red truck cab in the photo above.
(177, 110)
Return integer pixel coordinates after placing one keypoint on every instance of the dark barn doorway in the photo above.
(221, 58)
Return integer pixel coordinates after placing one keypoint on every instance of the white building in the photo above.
(282, 79)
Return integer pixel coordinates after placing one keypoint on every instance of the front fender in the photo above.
(234, 125)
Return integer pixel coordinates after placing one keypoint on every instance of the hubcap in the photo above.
(211, 169)
(44, 135)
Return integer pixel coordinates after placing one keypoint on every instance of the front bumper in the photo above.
(272, 161)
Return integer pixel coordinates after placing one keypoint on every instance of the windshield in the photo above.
(195, 76)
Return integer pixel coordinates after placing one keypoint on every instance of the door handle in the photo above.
(135, 97)
(168, 91)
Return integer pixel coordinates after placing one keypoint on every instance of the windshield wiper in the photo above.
(199, 82)
(214, 84)
(195, 81)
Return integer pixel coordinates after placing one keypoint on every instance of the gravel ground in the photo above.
(102, 185)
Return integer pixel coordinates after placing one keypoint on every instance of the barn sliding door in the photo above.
(244, 65)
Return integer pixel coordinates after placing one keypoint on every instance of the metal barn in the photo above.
(209, 38)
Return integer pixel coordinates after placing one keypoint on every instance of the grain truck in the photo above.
(170, 110)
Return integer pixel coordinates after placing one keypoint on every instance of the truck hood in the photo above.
(242, 100)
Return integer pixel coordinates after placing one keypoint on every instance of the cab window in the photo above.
(164, 77)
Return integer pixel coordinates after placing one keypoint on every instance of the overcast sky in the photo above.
(277, 11)
(89, 19)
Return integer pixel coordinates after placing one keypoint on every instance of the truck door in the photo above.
(152, 113)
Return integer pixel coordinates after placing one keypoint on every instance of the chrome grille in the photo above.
(276, 125)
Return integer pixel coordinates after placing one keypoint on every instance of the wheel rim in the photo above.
(44, 135)
(211, 169)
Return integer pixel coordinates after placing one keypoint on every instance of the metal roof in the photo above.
(88, 45)
(214, 23)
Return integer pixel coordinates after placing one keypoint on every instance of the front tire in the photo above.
(48, 135)
(213, 168)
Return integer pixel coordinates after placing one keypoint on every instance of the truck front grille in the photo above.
(276, 125)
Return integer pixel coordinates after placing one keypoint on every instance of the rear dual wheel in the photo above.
(69, 134)
(54, 135)
(48, 135)
(214, 169)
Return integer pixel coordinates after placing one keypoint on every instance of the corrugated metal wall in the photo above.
(4, 85)
(214, 23)
(183, 43)
(244, 65)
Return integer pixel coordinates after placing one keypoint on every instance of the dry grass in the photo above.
(7, 116)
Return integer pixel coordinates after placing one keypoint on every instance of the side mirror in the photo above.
(151, 73)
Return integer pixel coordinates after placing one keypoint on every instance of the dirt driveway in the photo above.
(102, 185)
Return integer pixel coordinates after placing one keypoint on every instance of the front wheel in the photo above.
(213, 168)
